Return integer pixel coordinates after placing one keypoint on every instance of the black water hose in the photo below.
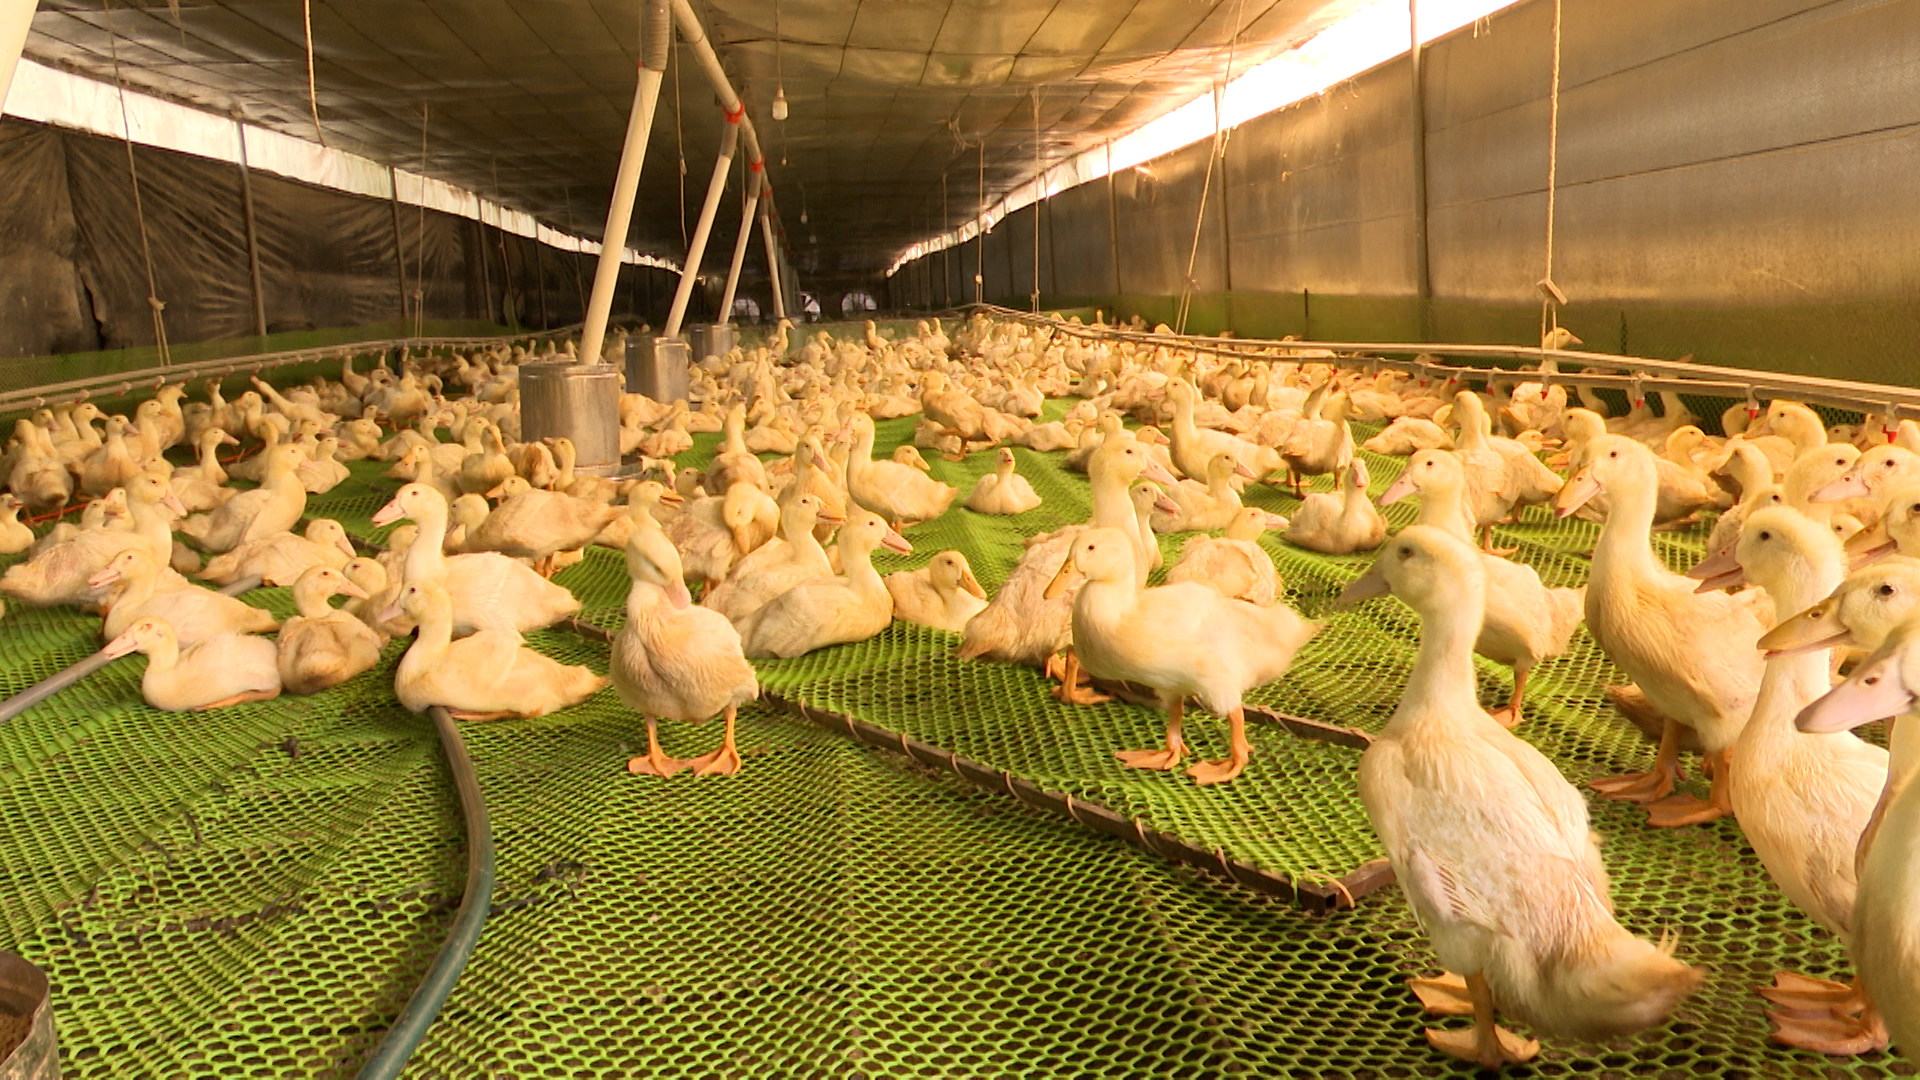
(410, 1027)
(60, 680)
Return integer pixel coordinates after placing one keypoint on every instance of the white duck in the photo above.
(226, 669)
(1235, 565)
(1181, 640)
(1692, 654)
(203, 486)
(1003, 491)
(830, 610)
(1339, 524)
(1526, 621)
(487, 590)
(486, 675)
(1491, 845)
(15, 535)
(777, 565)
(900, 493)
(271, 508)
(58, 573)
(1203, 506)
(676, 660)
(280, 559)
(943, 594)
(1803, 801)
(324, 646)
(195, 613)
(1886, 907)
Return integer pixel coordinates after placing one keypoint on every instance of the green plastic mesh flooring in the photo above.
(253, 892)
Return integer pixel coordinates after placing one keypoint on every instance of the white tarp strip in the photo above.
(51, 96)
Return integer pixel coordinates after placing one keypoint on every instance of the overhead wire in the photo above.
(313, 97)
(154, 303)
(1551, 295)
(1188, 284)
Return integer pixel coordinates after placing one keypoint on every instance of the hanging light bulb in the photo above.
(779, 70)
(803, 215)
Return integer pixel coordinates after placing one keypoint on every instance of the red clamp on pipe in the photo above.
(736, 114)
(757, 165)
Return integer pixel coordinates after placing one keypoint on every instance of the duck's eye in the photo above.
(1406, 553)
(1766, 536)
(1871, 680)
(1886, 590)
(1613, 453)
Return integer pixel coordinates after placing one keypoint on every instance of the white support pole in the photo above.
(698, 44)
(740, 242)
(773, 263)
(656, 37)
(697, 246)
(16, 17)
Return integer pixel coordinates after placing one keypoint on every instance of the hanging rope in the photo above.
(1206, 183)
(680, 146)
(154, 303)
(1040, 179)
(420, 248)
(980, 230)
(313, 98)
(1550, 295)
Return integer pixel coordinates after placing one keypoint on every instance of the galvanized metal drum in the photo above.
(711, 339)
(657, 367)
(579, 401)
(26, 1015)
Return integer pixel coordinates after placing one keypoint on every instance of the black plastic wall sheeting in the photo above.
(73, 278)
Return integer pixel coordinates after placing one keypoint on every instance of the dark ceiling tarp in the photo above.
(73, 278)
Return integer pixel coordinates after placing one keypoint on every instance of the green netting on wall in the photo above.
(253, 892)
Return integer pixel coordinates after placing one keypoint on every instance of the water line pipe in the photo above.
(476, 900)
(656, 37)
(703, 229)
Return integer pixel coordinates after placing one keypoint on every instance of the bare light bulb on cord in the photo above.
(780, 103)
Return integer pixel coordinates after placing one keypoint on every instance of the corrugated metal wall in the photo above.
(1738, 180)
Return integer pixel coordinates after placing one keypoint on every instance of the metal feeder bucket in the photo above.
(711, 339)
(578, 401)
(657, 367)
(24, 1004)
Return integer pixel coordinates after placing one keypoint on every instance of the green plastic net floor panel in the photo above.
(907, 681)
(255, 891)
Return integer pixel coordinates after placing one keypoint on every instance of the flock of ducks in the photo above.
(1814, 574)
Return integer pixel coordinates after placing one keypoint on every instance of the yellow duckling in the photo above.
(830, 610)
(1181, 640)
(323, 646)
(225, 669)
(486, 675)
(676, 660)
(1003, 491)
(1490, 843)
(944, 594)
